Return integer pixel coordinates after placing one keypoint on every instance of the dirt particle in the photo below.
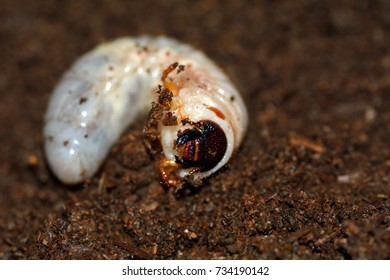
(169, 119)
(83, 100)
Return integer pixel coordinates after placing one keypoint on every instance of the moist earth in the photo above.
(311, 180)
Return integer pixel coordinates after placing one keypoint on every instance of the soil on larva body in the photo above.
(311, 180)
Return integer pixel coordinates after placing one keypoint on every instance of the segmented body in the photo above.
(106, 89)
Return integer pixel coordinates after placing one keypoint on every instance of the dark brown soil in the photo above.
(311, 181)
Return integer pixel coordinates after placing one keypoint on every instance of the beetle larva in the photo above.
(196, 122)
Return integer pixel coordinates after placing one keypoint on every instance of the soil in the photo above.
(311, 180)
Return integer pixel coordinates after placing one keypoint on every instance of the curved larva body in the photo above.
(108, 87)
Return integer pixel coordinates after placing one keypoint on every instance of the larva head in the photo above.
(192, 151)
(201, 147)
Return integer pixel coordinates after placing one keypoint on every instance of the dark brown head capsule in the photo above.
(202, 147)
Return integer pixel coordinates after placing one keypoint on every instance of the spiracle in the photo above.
(196, 120)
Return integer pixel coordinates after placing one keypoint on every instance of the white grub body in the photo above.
(105, 90)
